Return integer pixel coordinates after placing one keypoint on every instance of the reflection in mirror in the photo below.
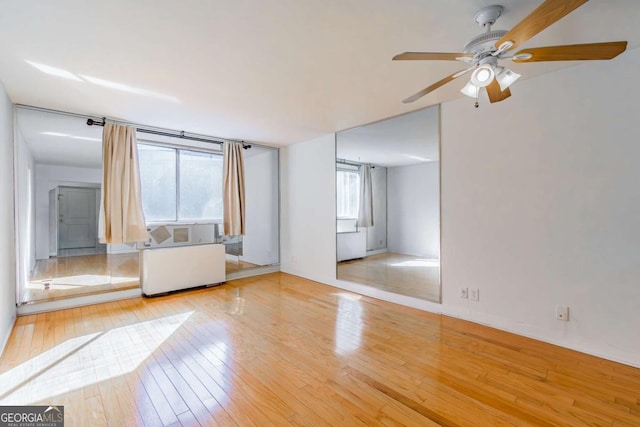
(59, 173)
(259, 247)
(388, 205)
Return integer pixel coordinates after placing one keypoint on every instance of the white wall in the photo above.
(308, 206)
(49, 177)
(377, 235)
(7, 242)
(543, 209)
(25, 183)
(414, 210)
(260, 244)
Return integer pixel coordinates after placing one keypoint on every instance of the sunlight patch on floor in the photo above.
(86, 360)
(418, 263)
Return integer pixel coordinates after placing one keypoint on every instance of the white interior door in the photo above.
(77, 225)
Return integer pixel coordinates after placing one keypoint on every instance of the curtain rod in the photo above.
(354, 163)
(181, 135)
(141, 128)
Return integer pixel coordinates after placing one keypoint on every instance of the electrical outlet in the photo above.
(474, 294)
(294, 259)
(464, 292)
(562, 313)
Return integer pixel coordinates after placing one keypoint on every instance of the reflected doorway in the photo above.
(73, 221)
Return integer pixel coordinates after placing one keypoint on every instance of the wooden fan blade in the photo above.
(495, 94)
(429, 56)
(546, 14)
(574, 52)
(433, 87)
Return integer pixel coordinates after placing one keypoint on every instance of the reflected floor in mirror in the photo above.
(233, 265)
(413, 276)
(64, 277)
(281, 350)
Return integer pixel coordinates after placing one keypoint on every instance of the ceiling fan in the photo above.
(483, 52)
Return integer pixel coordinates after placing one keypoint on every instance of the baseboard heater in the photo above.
(163, 270)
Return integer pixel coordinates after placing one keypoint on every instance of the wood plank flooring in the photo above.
(398, 273)
(281, 350)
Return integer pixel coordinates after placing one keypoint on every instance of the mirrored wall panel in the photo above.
(59, 174)
(388, 205)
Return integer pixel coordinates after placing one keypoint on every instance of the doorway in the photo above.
(73, 221)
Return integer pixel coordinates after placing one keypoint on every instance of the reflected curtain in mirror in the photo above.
(121, 219)
(365, 211)
(234, 194)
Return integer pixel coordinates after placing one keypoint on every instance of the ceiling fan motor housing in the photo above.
(483, 43)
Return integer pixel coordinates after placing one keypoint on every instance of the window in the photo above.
(179, 184)
(200, 185)
(348, 189)
(158, 181)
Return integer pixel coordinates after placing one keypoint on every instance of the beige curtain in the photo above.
(365, 210)
(233, 182)
(121, 218)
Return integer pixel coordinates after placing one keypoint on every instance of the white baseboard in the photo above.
(41, 307)
(377, 251)
(539, 334)
(5, 339)
(250, 272)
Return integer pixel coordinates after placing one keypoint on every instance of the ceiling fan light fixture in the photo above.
(506, 78)
(482, 76)
(470, 90)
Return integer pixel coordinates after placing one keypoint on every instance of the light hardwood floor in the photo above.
(398, 273)
(280, 350)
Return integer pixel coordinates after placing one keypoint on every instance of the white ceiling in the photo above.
(403, 140)
(73, 143)
(278, 72)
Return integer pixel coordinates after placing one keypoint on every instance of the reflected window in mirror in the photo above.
(348, 188)
(58, 162)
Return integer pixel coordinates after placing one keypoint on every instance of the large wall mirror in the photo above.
(388, 205)
(59, 174)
